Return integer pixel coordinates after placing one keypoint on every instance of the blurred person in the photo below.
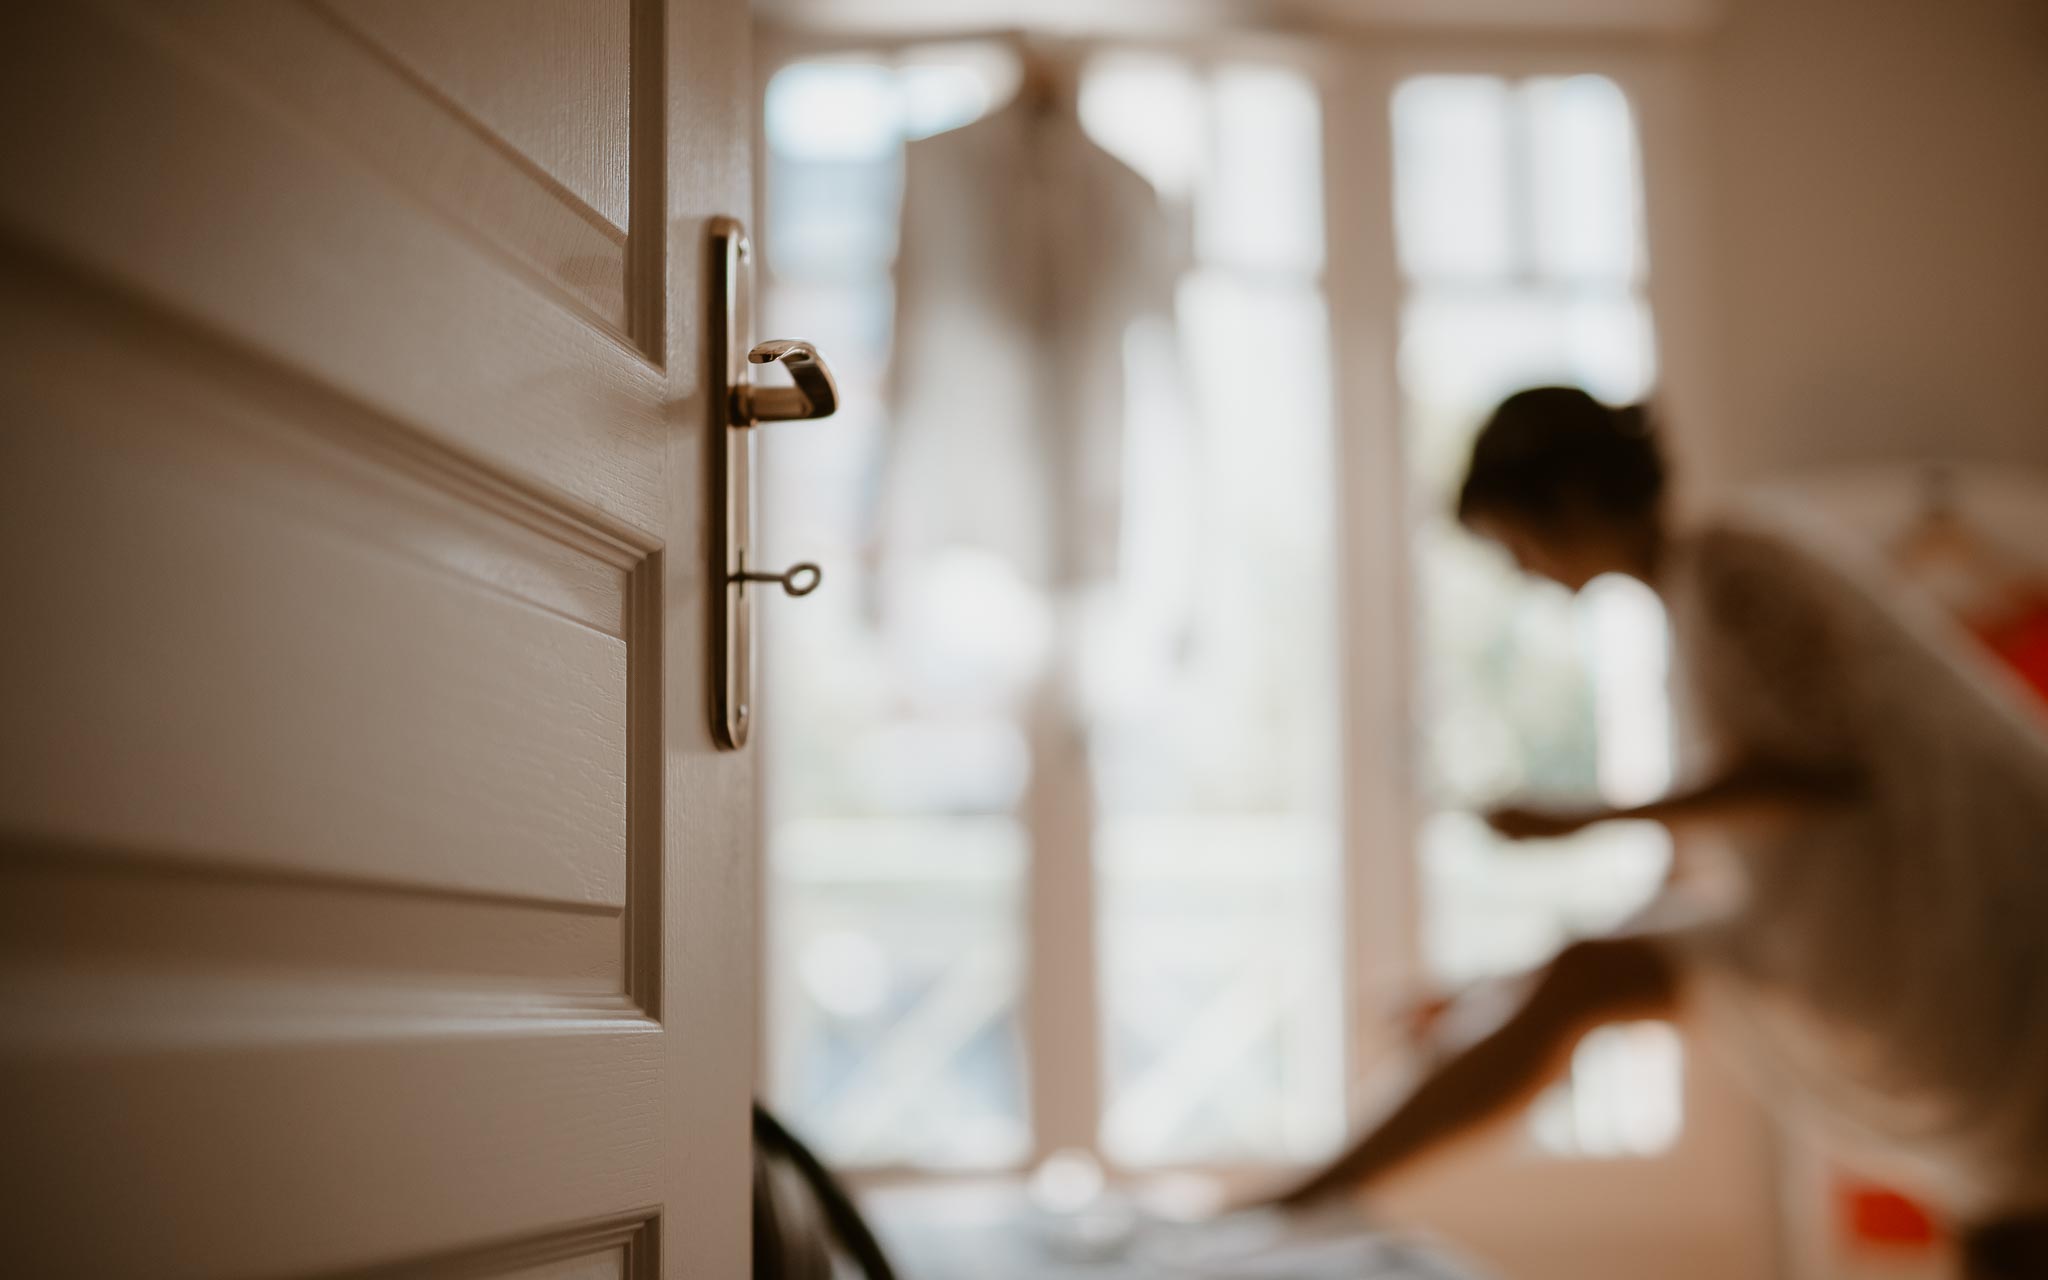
(1857, 899)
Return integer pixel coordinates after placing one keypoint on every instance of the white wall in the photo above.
(1875, 210)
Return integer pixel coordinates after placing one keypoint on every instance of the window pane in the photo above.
(1263, 205)
(1627, 1096)
(944, 90)
(895, 1014)
(1527, 692)
(1150, 112)
(1463, 349)
(1212, 686)
(1585, 203)
(1452, 177)
(1209, 674)
(894, 761)
(835, 171)
(827, 111)
(1572, 704)
(1224, 1016)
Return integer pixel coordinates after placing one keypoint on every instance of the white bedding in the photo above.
(993, 1233)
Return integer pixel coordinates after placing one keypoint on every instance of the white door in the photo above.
(372, 894)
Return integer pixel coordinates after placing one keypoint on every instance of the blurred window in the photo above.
(1212, 685)
(898, 744)
(1519, 226)
(895, 754)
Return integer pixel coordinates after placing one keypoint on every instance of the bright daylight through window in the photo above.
(904, 735)
(909, 721)
(1519, 219)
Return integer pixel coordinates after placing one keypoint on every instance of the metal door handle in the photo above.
(815, 394)
(736, 406)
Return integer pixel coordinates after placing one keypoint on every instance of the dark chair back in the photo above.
(802, 1213)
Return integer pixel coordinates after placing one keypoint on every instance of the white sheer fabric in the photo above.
(1027, 251)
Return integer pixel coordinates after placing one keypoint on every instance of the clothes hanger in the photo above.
(1047, 77)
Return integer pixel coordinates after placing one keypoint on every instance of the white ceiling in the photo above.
(1180, 17)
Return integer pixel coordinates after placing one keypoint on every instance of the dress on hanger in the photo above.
(1026, 253)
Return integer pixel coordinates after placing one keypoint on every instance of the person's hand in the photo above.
(1420, 1016)
(1293, 1197)
(1520, 822)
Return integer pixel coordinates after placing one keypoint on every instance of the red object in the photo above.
(2021, 642)
(1874, 1215)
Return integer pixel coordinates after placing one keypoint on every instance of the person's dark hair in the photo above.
(1549, 451)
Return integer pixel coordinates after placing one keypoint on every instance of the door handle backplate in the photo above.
(737, 405)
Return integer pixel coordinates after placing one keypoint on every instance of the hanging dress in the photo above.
(1026, 254)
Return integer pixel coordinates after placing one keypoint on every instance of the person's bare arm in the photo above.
(1757, 792)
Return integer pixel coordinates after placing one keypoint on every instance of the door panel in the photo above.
(371, 892)
(393, 617)
(520, 130)
(175, 175)
(548, 79)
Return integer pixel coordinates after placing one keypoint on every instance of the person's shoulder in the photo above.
(1755, 581)
(1722, 553)
(1751, 548)
(1735, 537)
